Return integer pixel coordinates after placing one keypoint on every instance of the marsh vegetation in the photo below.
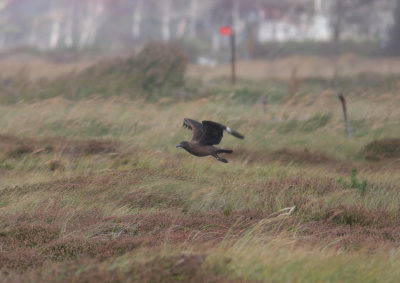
(93, 188)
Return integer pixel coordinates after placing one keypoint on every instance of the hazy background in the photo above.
(264, 28)
(92, 98)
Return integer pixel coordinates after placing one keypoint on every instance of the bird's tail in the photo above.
(234, 133)
(225, 151)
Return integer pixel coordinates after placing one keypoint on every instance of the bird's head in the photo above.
(183, 144)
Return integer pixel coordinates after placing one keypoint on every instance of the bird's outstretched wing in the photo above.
(195, 126)
(212, 133)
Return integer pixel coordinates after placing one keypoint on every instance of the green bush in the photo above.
(355, 182)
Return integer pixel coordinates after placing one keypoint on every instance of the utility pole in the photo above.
(235, 19)
(227, 30)
(233, 58)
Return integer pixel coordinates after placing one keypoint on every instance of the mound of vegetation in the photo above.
(382, 149)
(155, 72)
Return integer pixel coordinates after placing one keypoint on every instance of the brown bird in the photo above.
(205, 135)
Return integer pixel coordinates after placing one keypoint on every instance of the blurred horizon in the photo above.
(263, 28)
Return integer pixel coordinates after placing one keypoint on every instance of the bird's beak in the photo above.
(178, 146)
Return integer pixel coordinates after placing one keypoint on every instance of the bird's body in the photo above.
(205, 136)
(200, 150)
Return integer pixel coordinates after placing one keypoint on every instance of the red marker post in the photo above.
(227, 31)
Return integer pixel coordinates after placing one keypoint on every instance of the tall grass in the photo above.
(94, 189)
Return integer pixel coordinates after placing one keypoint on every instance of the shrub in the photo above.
(160, 66)
(382, 149)
(157, 70)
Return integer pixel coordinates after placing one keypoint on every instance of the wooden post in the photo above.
(343, 100)
(233, 58)
(265, 103)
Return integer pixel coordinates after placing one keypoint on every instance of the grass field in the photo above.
(94, 189)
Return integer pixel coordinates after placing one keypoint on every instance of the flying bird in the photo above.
(205, 135)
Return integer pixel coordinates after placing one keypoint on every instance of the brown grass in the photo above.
(19, 260)
(308, 67)
(284, 155)
(28, 235)
(188, 267)
(302, 156)
(357, 215)
(145, 198)
(349, 237)
(14, 146)
(89, 235)
(135, 209)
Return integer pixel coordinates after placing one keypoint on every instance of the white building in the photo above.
(311, 20)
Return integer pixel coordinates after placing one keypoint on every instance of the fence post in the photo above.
(346, 119)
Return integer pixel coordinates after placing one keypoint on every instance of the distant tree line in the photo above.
(117, 24)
